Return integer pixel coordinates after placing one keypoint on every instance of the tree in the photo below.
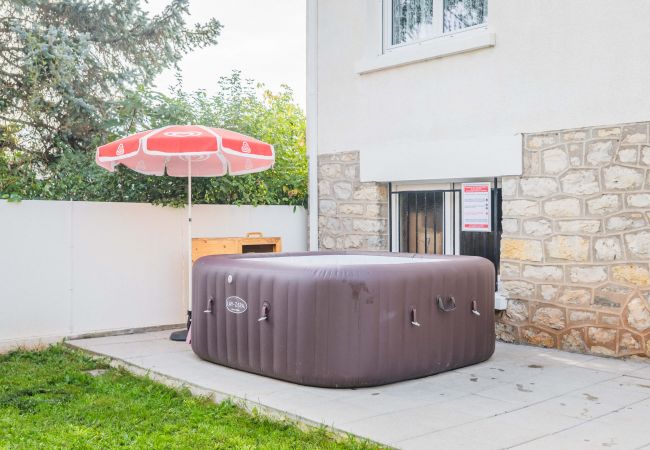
(239, 105)
(78, 73)
(66, 65)
(244, 106)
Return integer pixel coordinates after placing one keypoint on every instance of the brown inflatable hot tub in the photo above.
(343, 319)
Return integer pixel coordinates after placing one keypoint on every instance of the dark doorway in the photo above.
(430, 222)
(486, 245)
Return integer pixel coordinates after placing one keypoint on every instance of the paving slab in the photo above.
(523, 397)
(624, 428)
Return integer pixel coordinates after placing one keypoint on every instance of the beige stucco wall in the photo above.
(576, 202)
(556, 64)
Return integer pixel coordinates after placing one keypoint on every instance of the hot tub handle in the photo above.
(210, 303)
(475, 310)
(441, 304)
(265, 312)
(414, 320)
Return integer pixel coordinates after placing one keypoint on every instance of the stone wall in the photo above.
(576, 242)
(351, 214)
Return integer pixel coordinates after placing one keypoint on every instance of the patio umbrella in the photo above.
(187, 151)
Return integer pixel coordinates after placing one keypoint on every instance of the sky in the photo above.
(265, 39)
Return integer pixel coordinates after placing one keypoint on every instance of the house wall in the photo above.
(556, 64)
(69, 268)
(576, 202)
(352, 215)
(576, 242)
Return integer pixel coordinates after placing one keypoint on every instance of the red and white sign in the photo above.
(476, 202)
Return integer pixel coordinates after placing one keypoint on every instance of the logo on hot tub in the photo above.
(236, 305)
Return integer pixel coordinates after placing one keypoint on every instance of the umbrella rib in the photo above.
(220, 148)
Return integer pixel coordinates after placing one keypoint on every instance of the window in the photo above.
(429, 221)
(461, 14)
(410, 21)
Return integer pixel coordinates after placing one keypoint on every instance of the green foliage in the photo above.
(49, 400)
(243, 106)
(17, 178)
(66, 64)
(75, 74)
(238, 105)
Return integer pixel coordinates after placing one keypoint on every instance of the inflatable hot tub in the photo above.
(343, 319)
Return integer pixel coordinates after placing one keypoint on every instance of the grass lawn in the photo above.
(49, 400)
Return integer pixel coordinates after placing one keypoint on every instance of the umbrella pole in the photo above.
(182, 334)
(189, 235)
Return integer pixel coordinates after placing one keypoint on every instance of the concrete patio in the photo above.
(523, 397)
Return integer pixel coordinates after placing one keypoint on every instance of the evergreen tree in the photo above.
(66, 65)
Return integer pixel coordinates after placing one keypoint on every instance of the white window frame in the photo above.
(438, 17)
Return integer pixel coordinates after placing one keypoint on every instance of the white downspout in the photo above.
(312, 119)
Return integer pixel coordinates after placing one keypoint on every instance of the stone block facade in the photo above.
(351, 215)
(575, 249)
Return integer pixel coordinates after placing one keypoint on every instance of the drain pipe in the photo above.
(312, 120)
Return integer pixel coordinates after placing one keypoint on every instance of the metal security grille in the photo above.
(430, 222)
(422, 224)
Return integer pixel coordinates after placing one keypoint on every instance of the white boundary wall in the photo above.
(69, 268)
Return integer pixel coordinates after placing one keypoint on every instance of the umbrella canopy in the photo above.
(211, 152)
(187, 151)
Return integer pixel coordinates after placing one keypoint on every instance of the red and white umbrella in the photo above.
(187, 151)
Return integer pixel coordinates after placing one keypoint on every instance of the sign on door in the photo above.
(476, 200)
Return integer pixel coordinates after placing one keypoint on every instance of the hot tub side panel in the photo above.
(345, 326)
(280, 345)
(371, 337)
